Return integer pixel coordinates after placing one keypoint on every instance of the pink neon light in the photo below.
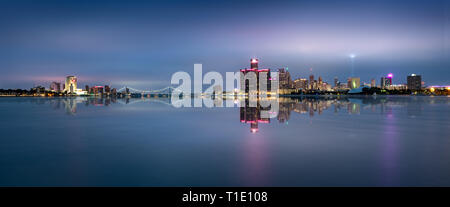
(390, 75)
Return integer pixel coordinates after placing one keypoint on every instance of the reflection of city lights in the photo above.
(352, 56)
(254, 130)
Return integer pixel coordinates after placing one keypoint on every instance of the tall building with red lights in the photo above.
(245, 83)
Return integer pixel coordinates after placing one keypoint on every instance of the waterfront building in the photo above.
(97, 90)
(55, 87)
(326, 86)
(385, 82)
(311, 82)
(71, 84)
(285, 80)
(373, 83)
(353, 82)
(397, 87)
(245, 83)
(414, 82)
(320, 83)
(301, 83)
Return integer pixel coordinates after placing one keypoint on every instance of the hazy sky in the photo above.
(142, 43)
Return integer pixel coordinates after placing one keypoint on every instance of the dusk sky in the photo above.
(142, 43)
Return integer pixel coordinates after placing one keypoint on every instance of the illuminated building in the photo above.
(284, 78)
(311, 82)
(389, 78)
(353, 83)
(326, 86)
(71, 84)
(386, 81)
(55, 87)
(373, 83)
(245, 83)
(397, 87)
(96, 90)
(320, 83)
(301, 83)
(414, 82)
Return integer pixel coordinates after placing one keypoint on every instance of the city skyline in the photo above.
(142, 44)
(284, 73)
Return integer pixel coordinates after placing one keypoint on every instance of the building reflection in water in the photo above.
(312, 106)
(70, 104)
(262, 112)
(252, 115)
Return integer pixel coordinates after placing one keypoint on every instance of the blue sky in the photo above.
(142, 43)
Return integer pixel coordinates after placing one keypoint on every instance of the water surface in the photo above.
(373, 141)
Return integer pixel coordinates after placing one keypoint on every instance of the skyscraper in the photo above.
(285, 79)
(245, 83)
(386, 81)
(311, 82)
(373, 83)
(414, 82)
(389, 78)
(71, 84)
(320, 83)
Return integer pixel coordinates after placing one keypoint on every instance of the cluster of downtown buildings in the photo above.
(69, 88)
(353, 85)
